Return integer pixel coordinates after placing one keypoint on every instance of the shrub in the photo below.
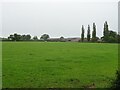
(116, 82)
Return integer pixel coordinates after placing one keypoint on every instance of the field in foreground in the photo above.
(52, 65)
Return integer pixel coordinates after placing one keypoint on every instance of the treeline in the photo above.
(18, 37)
(109, 36)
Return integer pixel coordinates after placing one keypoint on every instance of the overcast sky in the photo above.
(57, 17)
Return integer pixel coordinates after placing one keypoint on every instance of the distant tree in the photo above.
(106, 32)
(82, 34)
(94, 33)
(11, 37)
(88, 33)
(28, 37)
(112, 33)
(112, 38)
(15, 37)
(35, 38)
(61, 38)
(118, 38)
(109, 36)
(44, 37)
(23, 37)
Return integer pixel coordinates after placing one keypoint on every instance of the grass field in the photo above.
(58, 64)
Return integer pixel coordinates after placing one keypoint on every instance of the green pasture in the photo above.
(58, 64)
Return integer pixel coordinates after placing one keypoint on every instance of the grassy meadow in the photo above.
(58, 64)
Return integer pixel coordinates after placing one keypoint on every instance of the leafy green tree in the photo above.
(113, 34)
(94, 33)
(109, 36)
(82, 34)
(15, 37)
(28, 37)
(25, 37)
(62, 38)
(44, 37)
(11, 37)
(112, 38)
(35, 38)
(88, 33)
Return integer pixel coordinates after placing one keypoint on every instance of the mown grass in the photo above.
(58, 64)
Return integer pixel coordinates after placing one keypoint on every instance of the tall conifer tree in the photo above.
(88, 33)
(94, 33)
(82, 34)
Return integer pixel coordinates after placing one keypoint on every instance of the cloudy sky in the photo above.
(56, 17)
